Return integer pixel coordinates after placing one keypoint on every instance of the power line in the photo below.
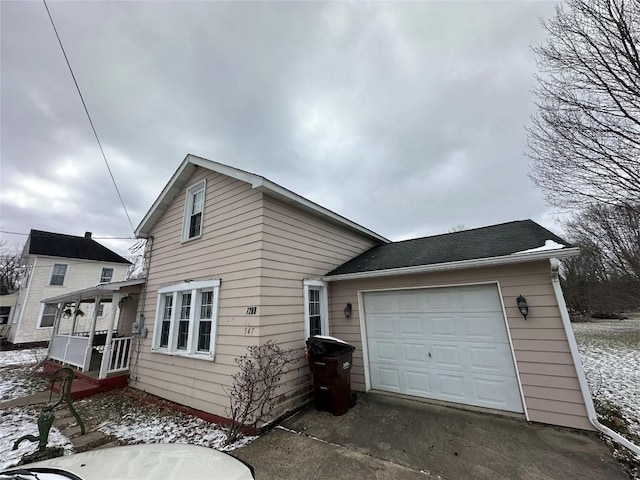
(88, 116)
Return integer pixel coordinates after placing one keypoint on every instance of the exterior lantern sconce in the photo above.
(347, 311)
(522, 306)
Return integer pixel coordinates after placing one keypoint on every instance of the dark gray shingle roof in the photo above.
(485, 242)
(70, 246)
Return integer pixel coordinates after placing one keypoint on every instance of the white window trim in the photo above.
(192, 348)
(324, 306)
(66, 274)
(188, 203)
(113, 274)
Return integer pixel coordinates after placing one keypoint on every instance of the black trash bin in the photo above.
(330, 362)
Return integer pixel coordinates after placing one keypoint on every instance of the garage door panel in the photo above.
(418, 382)
(490, 359)
(388, 378)
(381, 325)
(452, 387)
(414, 353)
(442, 327)
(446, 356)
(444, 343)
(384, 351)
(412, 326)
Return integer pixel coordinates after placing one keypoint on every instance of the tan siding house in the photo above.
(548, 377)
(235, 260)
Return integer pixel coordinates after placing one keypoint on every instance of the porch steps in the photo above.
(68, 426)
(84, 385)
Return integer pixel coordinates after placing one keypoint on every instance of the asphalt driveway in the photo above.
(386, 437)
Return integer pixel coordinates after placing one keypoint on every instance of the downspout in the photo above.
(582, 379)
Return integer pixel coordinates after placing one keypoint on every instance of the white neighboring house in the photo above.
(57, 264)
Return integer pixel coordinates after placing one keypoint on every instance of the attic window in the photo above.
(193, 212)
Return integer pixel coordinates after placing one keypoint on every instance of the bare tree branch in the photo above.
(584, 142)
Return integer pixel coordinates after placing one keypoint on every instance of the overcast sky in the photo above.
(407, 118)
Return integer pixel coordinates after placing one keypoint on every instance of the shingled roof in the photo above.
(70, 246)
(486, 242)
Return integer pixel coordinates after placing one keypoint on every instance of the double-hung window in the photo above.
(316, 319)
(193, 211)
(106, 274)
(186, 319)
(58, 273)
(48, 315)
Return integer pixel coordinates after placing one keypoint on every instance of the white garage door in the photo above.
(448, 344)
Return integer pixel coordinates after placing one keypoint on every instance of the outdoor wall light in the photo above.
(522, 306)
(347, 310)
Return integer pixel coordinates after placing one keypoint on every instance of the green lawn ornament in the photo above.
(45, 420)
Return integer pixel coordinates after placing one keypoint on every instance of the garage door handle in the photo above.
(429, 354)
(321, 363)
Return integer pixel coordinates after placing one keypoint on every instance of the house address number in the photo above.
(252, 310)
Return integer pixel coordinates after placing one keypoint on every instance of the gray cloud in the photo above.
(405, 117)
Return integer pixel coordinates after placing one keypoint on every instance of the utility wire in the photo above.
(88, 116)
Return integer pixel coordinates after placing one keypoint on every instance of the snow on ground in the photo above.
(18, 378)
(17, 422)
(181, 428)
(28, 356)
(610, 352)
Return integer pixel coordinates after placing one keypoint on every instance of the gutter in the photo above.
(575, 355)
(461, 264)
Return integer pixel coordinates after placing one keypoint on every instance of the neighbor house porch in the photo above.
(98, 350)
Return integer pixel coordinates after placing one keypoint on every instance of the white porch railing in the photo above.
(120, 354)
(69, 349)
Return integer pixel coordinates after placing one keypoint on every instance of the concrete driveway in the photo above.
(385, 437)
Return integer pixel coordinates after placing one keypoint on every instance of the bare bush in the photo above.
(253, 392)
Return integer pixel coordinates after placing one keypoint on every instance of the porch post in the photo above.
(75, 316)
(106, 354)
(92, 330)
(56, 326)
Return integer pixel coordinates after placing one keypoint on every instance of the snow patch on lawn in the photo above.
(610, 352)
(14, 423)
(19, 379)
(133, 428)
(29, 356)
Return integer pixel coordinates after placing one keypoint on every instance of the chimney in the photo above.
(87, 234)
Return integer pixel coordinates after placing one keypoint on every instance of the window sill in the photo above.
(196, 356)
(188, 240)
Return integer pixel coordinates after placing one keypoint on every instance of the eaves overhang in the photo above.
(261, 184)
(105, 290)
(513, 258)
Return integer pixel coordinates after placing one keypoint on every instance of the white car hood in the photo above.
(153, 462)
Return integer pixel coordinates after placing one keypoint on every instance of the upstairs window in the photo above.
(316, 320)
(106, 275)
(186, 319)
(193, 212)
(58, 273)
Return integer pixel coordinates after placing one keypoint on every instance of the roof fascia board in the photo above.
(142, 230)
(257, 182)
(94, 291)
(288, 196)
(462, 264)
(88, 260)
